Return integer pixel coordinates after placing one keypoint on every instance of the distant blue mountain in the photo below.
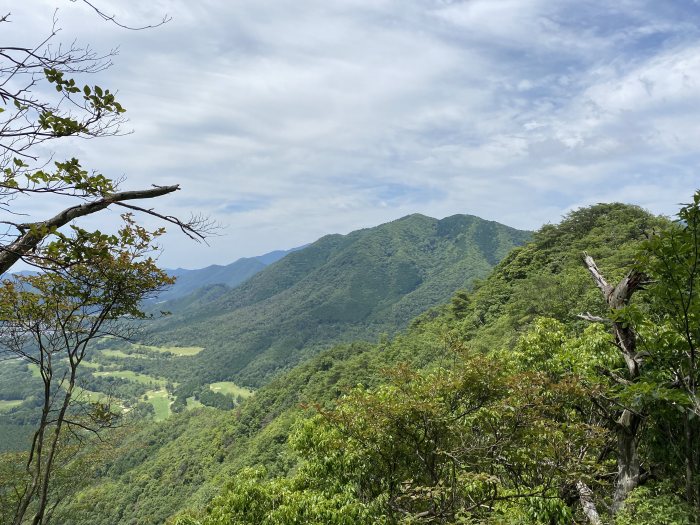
(231, 275)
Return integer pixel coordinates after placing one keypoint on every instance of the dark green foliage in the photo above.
(216, 400)
(114, 386)
(16, 382)
(14, 437)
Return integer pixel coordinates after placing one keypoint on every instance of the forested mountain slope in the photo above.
(340, 288)
(187, 460)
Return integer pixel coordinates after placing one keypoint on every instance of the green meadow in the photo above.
(230, 388)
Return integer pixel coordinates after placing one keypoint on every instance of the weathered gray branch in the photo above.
(585, 496)
(628, 422)
(597, 276)
(593, 318)
(32, 234)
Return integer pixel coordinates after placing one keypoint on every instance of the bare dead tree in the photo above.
(627, 421)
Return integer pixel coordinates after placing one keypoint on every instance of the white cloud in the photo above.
(290, 120)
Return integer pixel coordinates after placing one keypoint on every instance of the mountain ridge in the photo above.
(339, 288)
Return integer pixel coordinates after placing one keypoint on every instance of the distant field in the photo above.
(158, 396)
(91, 397)
(118, 353)
(230, 388)
(180, 351)
(8, 404)
(161, 403)
(82, 394)
(193, 403)
(133, 376)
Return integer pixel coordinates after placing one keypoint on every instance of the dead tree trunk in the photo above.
(627, 422)
(585, 495)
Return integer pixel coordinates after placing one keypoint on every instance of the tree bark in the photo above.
(34, 463)
(692, 484)
(627, 458)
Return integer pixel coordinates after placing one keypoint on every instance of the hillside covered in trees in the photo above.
(339, 288)
(501, 406)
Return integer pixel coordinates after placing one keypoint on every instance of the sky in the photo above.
(285, 121)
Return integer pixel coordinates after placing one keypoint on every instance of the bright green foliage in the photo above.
(546, 278)
(550, 346)
(69, 176)
(251, 500)
(670, 334)
(654, 504)
(672, 326)
(469, 442)
(518, 327)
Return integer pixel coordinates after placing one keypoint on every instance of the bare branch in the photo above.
(36, 232)
(593, 318)
(113, 18)
(197, 228)
(612, 375)
(628, 421)
(597, 276)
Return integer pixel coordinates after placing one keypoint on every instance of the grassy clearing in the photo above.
(9, 403)
(79, 393)
(119, 354)
(193, 403)
(34, 369)
(88, 364)
(91, 397)
(230, 388)
(160, 401)
(133, 376)
(179, 351)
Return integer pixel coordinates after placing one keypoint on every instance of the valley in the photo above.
(220, 343)
(112, 377)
